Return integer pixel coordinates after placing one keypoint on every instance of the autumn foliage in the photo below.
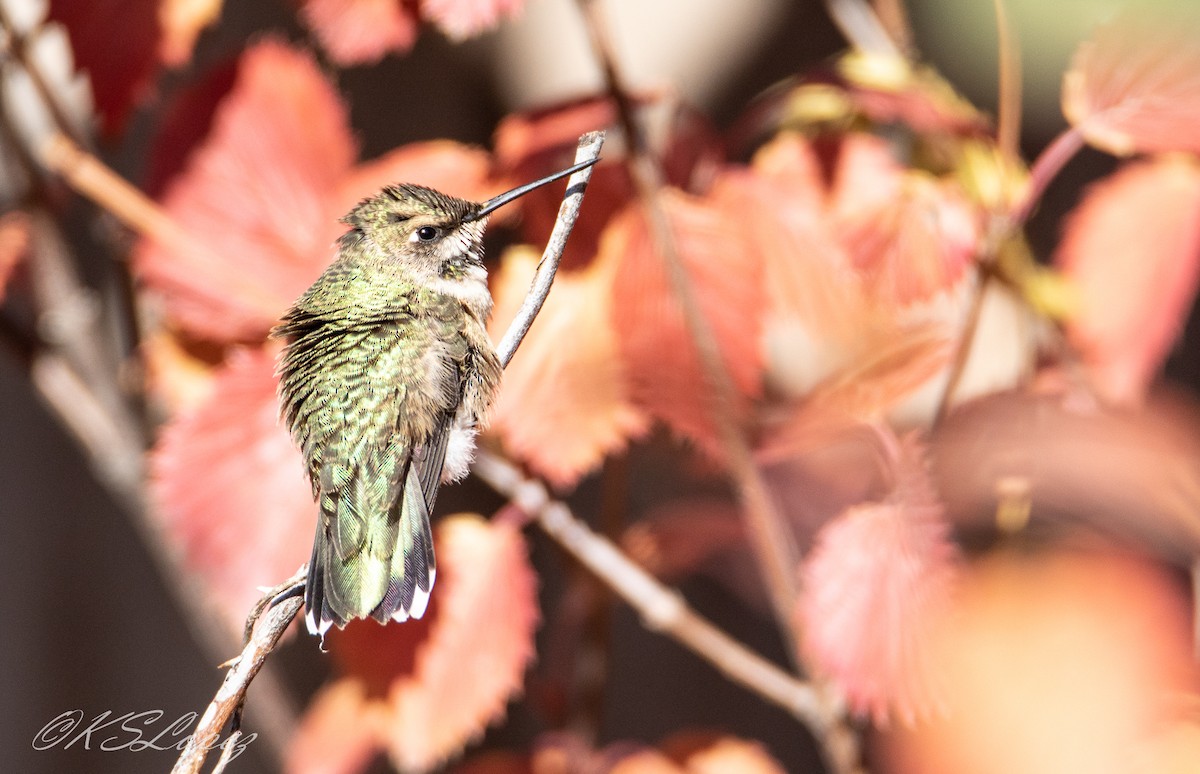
(966, 440)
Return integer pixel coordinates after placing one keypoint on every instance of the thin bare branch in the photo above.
(232, 694)
(589, 148)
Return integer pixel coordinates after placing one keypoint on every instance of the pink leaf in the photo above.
(1132, 248)
(230, 490)
(462, 19)
(254, 199)
(913, 246)
(355, 32)
(1135, 86)
(875, 586)
(562, 409)
(658, 348)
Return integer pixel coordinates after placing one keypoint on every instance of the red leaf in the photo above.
(255, 198)
(229, 488)
(563, 408)
(340, 732)
(355, 32)
(1135, 86)
(876, 585)
(117, 43)
(726, 277)
(462, 19)
(1132, 248)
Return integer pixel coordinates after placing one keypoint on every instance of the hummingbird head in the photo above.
(425, 230)
(429, 233)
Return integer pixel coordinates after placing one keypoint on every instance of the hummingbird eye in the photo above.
(426, 233)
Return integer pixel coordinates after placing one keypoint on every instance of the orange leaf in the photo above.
(355, 32)
(709, 753)
(876, 585)
(444, 681)
(462, 19)
(229, 488)
(726, 277)
(1132, 248)
(15, 233)
(564, 402)
(1135, 86)
(432, 685)
(339, 733)
(255, 198)
(1077, 656)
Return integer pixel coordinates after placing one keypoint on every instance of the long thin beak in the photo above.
(497, 202)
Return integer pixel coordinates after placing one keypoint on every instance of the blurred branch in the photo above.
(773, 542)
(588, 149)
(862, 27)
(664, 610)
(1008, 124)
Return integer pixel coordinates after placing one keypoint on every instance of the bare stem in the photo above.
(568, 212)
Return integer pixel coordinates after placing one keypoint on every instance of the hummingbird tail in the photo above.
(388, 576)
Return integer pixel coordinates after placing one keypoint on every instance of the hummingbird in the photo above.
(386, 375)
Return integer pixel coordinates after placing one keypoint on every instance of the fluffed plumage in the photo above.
(382, 354)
